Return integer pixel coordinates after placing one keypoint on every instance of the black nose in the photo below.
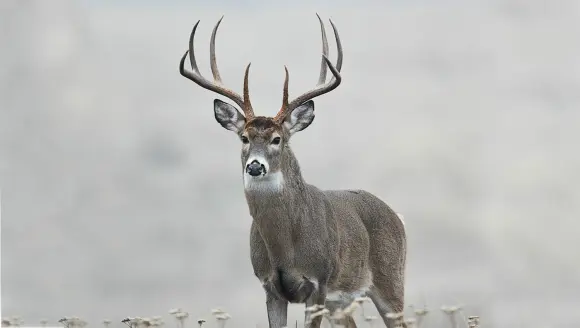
(255, 168)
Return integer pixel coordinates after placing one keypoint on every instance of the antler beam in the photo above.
(215, 86)
(321, 88)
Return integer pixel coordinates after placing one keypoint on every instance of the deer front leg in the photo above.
(317, 298)
(277, 311)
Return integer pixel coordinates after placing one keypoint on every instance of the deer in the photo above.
(321, 248)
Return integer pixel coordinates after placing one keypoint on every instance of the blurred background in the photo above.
(121, 195)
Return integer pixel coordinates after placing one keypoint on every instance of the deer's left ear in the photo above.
(300, 118)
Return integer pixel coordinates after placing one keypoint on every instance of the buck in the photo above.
(312, 246)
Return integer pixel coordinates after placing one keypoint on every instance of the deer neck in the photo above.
(276, 206)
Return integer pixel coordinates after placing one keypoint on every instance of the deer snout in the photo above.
(255, 168)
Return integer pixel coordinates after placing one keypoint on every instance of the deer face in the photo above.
(263, 138)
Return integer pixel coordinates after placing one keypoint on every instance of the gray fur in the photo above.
(306, 242)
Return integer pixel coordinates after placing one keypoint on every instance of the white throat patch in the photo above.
(271, 182)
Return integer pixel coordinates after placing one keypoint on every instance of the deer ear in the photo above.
(228, 116)
(300, 118)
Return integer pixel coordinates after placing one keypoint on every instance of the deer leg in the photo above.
(388, 302)
(277, 311)
(317, 298)
(345, 321)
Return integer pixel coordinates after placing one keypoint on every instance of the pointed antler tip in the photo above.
(182, 61)
(319, 19)
(218, 24)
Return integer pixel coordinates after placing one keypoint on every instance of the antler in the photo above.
(216, 85)
(320, 88)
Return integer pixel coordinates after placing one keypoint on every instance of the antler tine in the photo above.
(322, 76)
(214, 69)
(196, 76)
(247, 108)
(338, 46)
(284, 108)
(320, 88)
(192, 60)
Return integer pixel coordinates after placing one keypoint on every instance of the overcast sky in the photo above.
(121, 195)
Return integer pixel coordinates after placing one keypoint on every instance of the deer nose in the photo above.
(255, 168)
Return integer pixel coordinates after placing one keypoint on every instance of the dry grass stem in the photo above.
(360, 301)
(314, 308)
(411, 322)
(221, 316)
(370, 320)
(420, 315)
(451, 311)
(473, 321)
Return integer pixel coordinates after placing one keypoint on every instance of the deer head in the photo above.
(264, 139)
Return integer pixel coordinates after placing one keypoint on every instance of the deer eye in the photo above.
(276, 141)
(245, 139)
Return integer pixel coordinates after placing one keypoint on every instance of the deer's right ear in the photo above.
(228, 116)
(300, 118)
